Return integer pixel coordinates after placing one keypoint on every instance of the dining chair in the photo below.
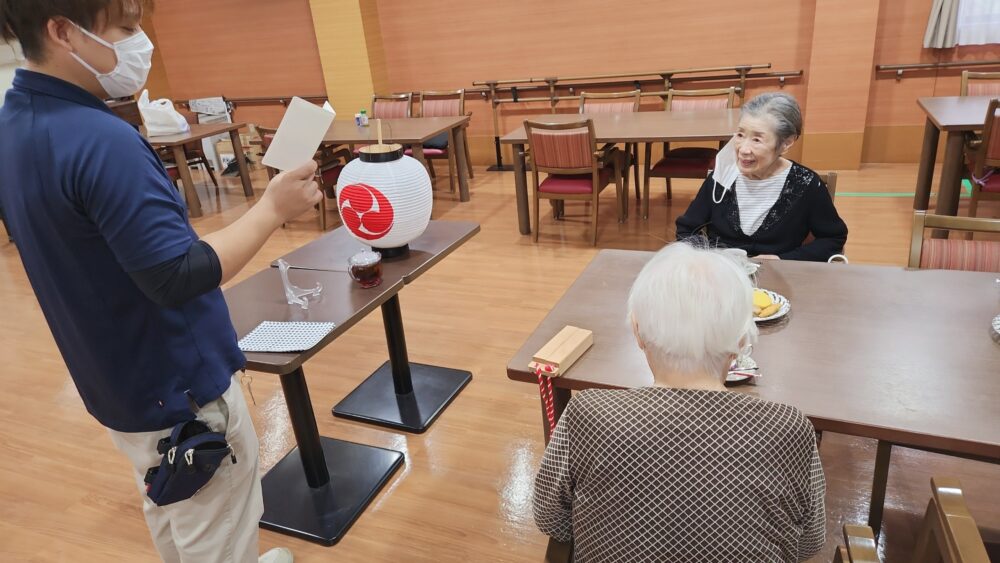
(954, 254)
(392, 106)
(948, 533)
(387, 106)
(979, 84)
(983, 159)
(617, 102)
(859, 546)
(686, 162)
(442, 104)
(576, 169)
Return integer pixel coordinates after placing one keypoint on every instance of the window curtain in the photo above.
(978, 22)
(942, 23)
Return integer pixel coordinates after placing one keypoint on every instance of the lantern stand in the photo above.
(400, 394)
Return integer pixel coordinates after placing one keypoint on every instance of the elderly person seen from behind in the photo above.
(774, 204)
(684, 470)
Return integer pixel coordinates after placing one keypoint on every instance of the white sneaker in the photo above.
(277, 555)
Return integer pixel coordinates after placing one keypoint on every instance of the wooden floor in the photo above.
(464, 493)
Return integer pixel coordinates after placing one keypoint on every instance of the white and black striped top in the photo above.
(682, 475)
(756, 197)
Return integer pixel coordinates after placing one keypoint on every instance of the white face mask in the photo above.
(135, 58)
(726, 171)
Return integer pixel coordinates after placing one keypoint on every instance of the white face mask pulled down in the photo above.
(135, 58)
(726, 171)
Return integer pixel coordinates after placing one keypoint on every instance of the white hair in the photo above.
(693, 308)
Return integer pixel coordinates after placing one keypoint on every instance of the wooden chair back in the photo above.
(859, 546)
(697, 100)
(950, 254)
(949, 532)
(562, 148)
(985, 153)
(392, 106)
(443, 103)
(597, 102)
(980, 84)
(830, 179)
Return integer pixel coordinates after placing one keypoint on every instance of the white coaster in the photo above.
(272, 336)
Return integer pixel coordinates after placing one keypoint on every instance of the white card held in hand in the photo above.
(299, 135)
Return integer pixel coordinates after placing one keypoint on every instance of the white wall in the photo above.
(10, 59)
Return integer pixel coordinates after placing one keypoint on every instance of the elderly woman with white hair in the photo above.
(684, 470)
(774, 204)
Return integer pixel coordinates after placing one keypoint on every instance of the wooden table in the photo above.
(411, 131)
(900, 356)
(319, 508)
(641, 127)
(955, 115)
(198, 132)
(399, 394)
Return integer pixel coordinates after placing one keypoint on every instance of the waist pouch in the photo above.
(191, 454)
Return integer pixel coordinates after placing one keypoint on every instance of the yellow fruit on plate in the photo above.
(761, 299)
(769, 310)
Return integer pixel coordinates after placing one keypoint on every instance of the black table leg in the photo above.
(400, 394)
(882, 457)
(319, 509)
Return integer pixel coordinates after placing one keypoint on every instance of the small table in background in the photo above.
(639, 127)
(198, 132)
(955, 115)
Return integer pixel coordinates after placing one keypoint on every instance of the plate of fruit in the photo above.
(769, 306)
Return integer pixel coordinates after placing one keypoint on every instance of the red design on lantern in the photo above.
(365, 211)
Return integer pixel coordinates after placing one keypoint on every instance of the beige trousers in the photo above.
(219, 523)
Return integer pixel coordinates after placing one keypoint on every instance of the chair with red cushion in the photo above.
(980, 84)
(687, 162)
(983, 156)
(617, 102)
(576, 169)
(954, 254)
(442, 104)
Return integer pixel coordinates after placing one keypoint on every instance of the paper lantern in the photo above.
(385, 198)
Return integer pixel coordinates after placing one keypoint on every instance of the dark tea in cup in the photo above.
(366, 268)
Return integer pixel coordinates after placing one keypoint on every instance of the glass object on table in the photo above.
(296, 295)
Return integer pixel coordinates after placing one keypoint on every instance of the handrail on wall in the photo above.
(900, 68)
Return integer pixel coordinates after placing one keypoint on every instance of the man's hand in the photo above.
(288, 195)
(292, 193)
(767, 257)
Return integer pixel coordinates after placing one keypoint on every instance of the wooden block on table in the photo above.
(564, 349)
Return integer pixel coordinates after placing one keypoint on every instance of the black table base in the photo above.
(399, 394)
(317, 508)
(323, 515)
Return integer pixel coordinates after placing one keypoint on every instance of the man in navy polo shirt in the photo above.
(130, 292)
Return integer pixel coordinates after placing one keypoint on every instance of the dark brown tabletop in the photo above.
(198, 131)
(410, 130)
(331, 251)
(262, 298)
(956, 113)
(881, 352)
(648, 126)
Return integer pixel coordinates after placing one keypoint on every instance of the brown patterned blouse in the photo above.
(678, 475)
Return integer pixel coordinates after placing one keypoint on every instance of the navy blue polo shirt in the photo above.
(87, 201)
